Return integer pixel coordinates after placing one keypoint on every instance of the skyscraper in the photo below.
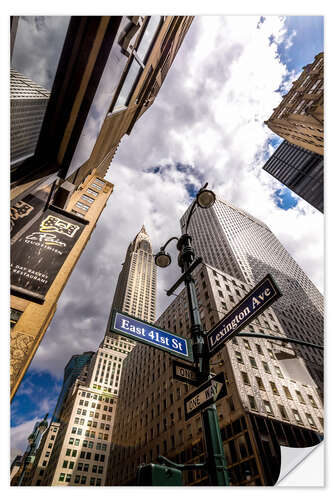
(136, 288)
(72, 371)
(28, 102)
(300, 170)
(268, 402)
(87, 403)
(82, 446)
(299, 118)
(235, 242)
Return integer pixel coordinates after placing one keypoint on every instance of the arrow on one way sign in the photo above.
(205, 395)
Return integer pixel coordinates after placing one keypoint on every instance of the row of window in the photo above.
(283, 412)
(94, 481)
(91, 434)
(97, 184)
(95, 469)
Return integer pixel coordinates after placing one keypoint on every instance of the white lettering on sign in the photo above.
(210, 392)
(131, 328)
(183, 372)
(231, 326)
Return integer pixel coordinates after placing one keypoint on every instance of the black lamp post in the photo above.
(216, 463)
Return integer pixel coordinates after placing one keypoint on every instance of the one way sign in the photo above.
(205, 395)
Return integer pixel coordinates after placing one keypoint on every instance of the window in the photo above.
(245, 378)
(287, 392)
(283, 412)
(300, 397)
(278, 371)
(274, 388)
(68, 477)
(65, 464)
(239, 357)
(297, 417)
(260, 383)
(84, 207)
(312, 401)
(252, 402)
(87, 198)
(268, 407)
(96, 186)
(91, 191)
(61, 477)
(266, 367)
(77, 479)
(247, 344)
(253, 362)
(271, 354)
(83, 479)
(259, 349)
(137, 61)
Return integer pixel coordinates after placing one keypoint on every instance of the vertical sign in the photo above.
(37, 256)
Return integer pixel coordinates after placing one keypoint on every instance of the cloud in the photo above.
(208, 119)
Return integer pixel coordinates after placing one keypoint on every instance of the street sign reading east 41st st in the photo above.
(205, 395)
(254, 303)
(139, 330)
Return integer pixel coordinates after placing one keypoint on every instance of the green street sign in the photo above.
(138, 330)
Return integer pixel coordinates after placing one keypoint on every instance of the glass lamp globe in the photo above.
(162, 259)
(205, 198)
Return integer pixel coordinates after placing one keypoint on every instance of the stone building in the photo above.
(299, 118)
(269, 401)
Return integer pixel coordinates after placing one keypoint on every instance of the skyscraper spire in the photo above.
(136, 288)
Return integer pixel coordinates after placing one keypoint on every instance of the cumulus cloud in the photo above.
(208, 117)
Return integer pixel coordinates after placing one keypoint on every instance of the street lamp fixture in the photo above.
(205, 198)
(162, 259)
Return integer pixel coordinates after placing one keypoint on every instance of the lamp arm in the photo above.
(193, 208)
(164, 246)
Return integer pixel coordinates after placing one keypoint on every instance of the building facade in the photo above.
(106, 71)
(299, 118)
(268, 403)
(300, 170)
(235, 242)
(28, 102)
(36, 287)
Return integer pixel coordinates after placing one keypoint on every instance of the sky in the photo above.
(206, 125)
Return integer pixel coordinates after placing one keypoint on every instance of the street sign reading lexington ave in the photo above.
(205, 395)
(138, 330)
(254, 303)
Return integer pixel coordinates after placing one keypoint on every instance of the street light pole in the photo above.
(216, 463)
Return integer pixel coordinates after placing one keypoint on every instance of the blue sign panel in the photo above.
(136, 329)
(254, 303)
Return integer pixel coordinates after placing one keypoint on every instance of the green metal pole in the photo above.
(216, 462)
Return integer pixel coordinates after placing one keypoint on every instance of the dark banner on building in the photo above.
(24, 211)
(37, 256)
